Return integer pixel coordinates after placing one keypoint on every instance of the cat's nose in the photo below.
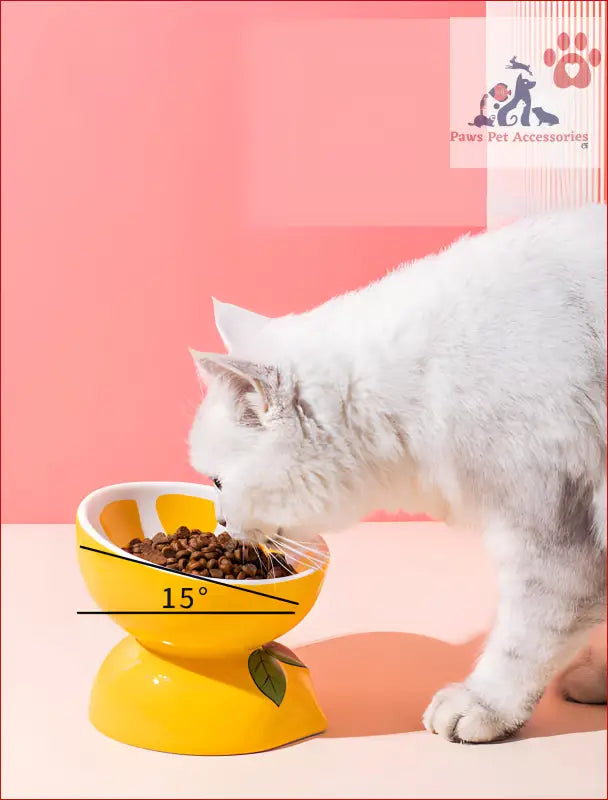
(222, 522)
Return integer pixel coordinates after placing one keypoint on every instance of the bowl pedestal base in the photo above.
(214, 706)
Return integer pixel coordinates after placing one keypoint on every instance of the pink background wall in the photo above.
(155, 154)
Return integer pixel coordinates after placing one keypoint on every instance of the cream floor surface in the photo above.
(379, 642)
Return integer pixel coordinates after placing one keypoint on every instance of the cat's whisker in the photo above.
(259, 558)
(278, 547)
(273, 558)
(313, 557)
(312, 552)
(270, 544)
(303, 557)
(303, 546)
(293, 541)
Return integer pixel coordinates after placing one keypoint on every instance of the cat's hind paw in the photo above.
(585, 680)
(456, 714)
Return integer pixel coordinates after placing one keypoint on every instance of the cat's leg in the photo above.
(584, 681)
(550, 597)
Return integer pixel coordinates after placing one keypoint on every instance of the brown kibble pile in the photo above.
(210, 556)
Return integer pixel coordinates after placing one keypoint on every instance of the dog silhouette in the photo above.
(521, 95)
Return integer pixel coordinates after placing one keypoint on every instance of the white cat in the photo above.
(470, 385)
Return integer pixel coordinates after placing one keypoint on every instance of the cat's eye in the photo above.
(218, 484)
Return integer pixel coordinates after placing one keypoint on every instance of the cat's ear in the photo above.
(236, 325)
(253, 386)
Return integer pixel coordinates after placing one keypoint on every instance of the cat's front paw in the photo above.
(458, 715)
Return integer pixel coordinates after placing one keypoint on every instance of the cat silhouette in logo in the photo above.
(522, 95)
(481, 120)
(515, 64)
(545, 117)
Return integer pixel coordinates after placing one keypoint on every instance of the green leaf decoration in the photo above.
(267, 675)
(284, 654)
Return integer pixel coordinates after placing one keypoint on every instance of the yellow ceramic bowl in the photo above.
(197, 646)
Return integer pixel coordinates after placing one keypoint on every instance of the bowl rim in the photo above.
(205, 492)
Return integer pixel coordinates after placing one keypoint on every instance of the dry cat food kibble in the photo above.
(210, 556)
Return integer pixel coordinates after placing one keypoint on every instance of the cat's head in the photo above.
(258, 435)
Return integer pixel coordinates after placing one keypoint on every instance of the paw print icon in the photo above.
(572, 69)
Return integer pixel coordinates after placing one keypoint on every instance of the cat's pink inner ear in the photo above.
(242, 377)
(206, 367)
(248, 377)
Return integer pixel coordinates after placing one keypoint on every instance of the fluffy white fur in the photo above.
(470, 385)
